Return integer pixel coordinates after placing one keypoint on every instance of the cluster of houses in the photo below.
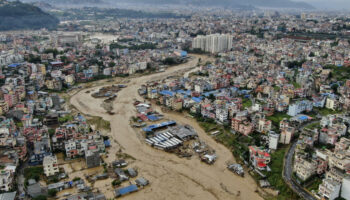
(127, 175)
(34, 126)
(266, 82)
(170, 136)
(251, 93)
(57, 61)
(322, 151)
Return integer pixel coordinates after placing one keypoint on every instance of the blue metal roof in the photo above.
(155, 126)
(211, 92)
(303, 117)
(184, 92)
(127, 189)
(152, 117)
(166, 92)
(107, 143)
(56, 63)
(14, 65)
(196, 99)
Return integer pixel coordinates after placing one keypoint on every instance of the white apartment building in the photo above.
(50, 165)
(264, 126)
(6, 180)
(329, 189)
(273, 140)
(9, 58)
(221, 114)
(299, 107)
(339, 160)
(345, 189)
(214, 43)
(305, 169)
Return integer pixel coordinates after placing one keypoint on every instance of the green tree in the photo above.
(111, 64)
(52, 192)
(212, 97)
(40, 197)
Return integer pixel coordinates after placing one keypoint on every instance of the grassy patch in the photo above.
(246, 103)
(276, 88)
(277, 118)
(296, 85)
(316, 181)
(100, 123)
(208, 126)
(65, 119)
(339, 73)
(326, 111)
(275, 176)
(33, 173)
(313, 125)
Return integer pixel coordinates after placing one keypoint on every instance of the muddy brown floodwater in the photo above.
(170, 177)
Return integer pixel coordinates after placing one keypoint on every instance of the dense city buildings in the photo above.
(214, 43)
(139, 103)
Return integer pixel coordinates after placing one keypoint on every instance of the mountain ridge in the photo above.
(226, 3)
(18, 16)
(203, 3)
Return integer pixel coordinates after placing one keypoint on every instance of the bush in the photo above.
(40, 197)
(33, 173)
(52, 192)
(274, 177)
(76, 179)
(116, 183)
(65, 119)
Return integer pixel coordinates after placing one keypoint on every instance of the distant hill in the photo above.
(65, 2)
(204, 3)
(83, 2)
(16, 16)
(226, 3)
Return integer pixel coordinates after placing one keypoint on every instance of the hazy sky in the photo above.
(330, 4)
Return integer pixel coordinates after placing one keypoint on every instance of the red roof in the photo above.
(261, 164)
(142, 117)
(92, 147)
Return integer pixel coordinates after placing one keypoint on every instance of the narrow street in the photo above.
(288, 171)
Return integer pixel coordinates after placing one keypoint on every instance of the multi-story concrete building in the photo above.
(304, 169)
(6, 177)
(264, 126)
(214, 43)
(221, 114)
(273, 140)
(259, 157)
(329, 189)
(286, 135)
(339, 160)
(335, 175)
(92, 158)
(299, 107)
(50, 165)
(345, 189)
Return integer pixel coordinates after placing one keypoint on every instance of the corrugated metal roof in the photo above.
(8, 196)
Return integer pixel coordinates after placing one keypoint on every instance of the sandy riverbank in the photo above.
(171, 177)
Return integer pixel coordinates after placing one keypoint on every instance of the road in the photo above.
(288, 171)
(171, 177)
(21, 179)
